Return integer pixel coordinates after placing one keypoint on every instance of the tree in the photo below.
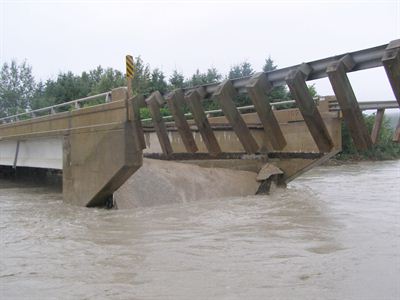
(241, 70)
(281, 92)
(312, 90)
(278, 93)
(176, 80)
(17, 88)
(210, 76)
(157, 81)
(67, 87)
(39, 99)
(141, 77)
(269, 65)
(107, 80)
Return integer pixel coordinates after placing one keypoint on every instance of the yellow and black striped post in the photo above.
(129, 66)
(129, 76)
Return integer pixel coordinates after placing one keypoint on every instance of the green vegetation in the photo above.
(383, 150)
(19, 92)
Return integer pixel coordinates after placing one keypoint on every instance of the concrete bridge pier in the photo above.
(97, 162)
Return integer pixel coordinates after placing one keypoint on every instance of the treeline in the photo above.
(20, 91)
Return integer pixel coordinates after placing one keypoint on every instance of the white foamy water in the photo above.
(333, 234)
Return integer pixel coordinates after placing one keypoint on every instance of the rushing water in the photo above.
(332, 234)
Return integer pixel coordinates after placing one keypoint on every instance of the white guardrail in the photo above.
(50, 110)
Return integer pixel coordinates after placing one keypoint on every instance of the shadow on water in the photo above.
(29, 177)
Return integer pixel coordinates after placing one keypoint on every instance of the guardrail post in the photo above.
(296, 81)
(175, 101)
(193, 98)
(377, 125)
(391, 62)
(258, 89)
(154, 102)
(348, 102)
(225, 94)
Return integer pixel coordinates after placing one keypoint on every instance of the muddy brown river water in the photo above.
(334, 233)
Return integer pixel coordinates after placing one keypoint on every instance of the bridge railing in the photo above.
(367, 105)
(333, 106)
(246, 108)
(74, 104)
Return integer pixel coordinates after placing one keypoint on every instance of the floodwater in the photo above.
(332, 234)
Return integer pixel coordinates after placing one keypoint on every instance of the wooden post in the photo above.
(153, 102)
(377, 125)
(348, 103)
(194, 100)
(225, 94)
(175, 101)
(391, 62)
(258, 89)
(299, 90)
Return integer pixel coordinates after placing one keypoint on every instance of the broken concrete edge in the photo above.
(267, 171)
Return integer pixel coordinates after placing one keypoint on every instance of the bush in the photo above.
(384, 149)
(145, 112)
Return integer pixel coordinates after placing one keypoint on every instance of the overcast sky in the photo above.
(55, 36)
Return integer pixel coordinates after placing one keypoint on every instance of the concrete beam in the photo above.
(348, 104)
(153, 103)
(312, 117)
(258, 89)
(193, 98)
(391, 62)
(225, 95)
(175, 101)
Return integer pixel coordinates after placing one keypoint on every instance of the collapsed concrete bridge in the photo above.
(99, 147)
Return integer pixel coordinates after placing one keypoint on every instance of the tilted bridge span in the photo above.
(99, 147)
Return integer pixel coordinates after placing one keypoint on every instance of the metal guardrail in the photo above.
(218, 111)
(363, 59)
(368, 105)
(75, 104)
